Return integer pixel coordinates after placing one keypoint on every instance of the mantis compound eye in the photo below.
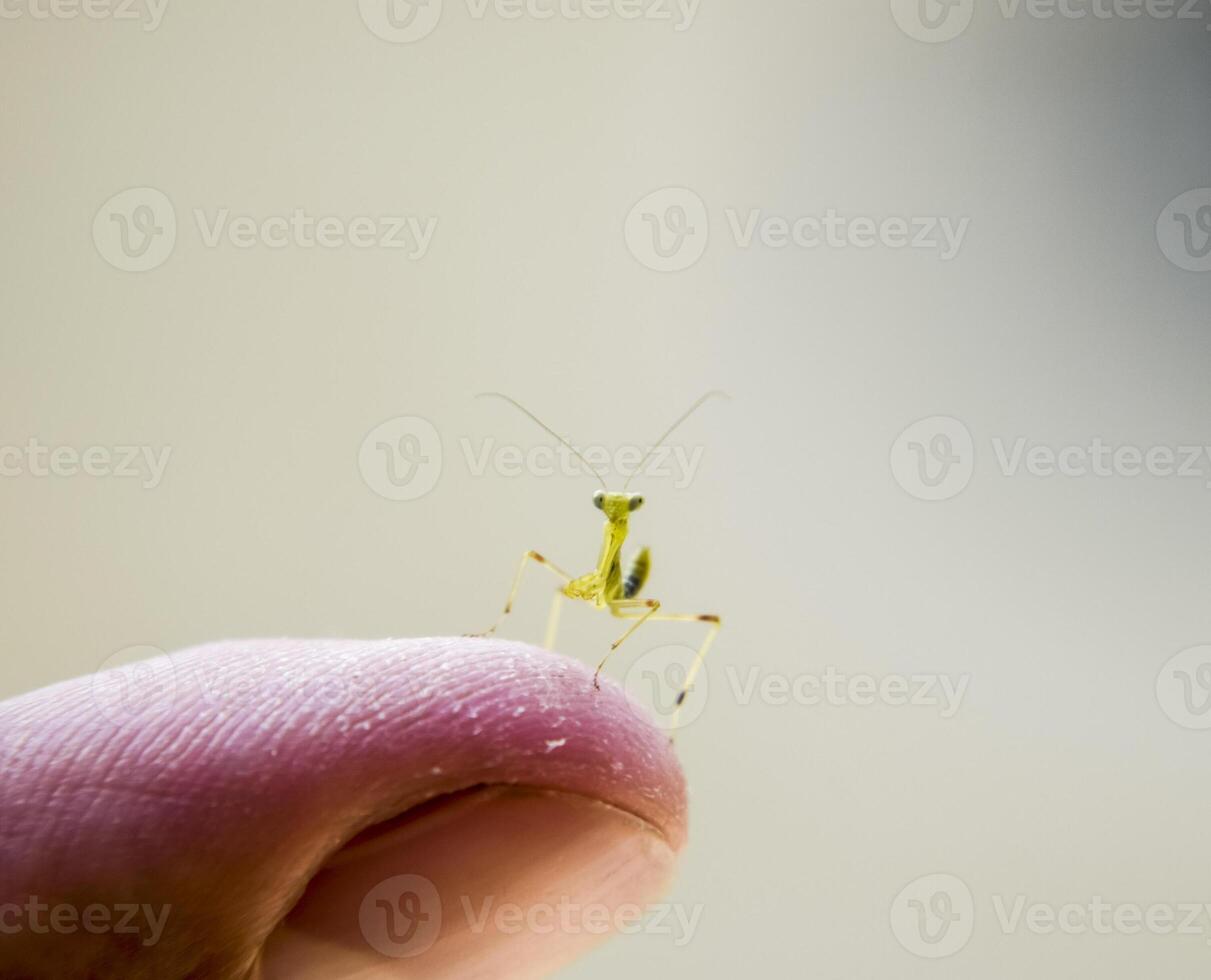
(599, 499)
(636, 501)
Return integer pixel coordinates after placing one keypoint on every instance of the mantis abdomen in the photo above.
(637, 574)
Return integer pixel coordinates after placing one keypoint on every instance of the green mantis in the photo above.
(605, 587)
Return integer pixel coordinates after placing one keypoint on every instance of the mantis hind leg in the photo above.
(529, 556)
(629, 609)
(699, 658)
(641, 610)
(553, 619)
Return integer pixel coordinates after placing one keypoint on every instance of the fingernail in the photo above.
(497, 882)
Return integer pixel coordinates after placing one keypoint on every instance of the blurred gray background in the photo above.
(604, 218)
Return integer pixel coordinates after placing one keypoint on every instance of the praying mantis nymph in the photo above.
(606, 587)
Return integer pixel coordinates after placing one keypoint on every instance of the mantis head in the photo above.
(617, 507)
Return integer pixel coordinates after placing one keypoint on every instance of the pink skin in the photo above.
(233, 789)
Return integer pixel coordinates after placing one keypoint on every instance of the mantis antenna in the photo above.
(543, 425)
(671, 429)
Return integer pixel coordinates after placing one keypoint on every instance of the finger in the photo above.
(501, 883)
(264, 767)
